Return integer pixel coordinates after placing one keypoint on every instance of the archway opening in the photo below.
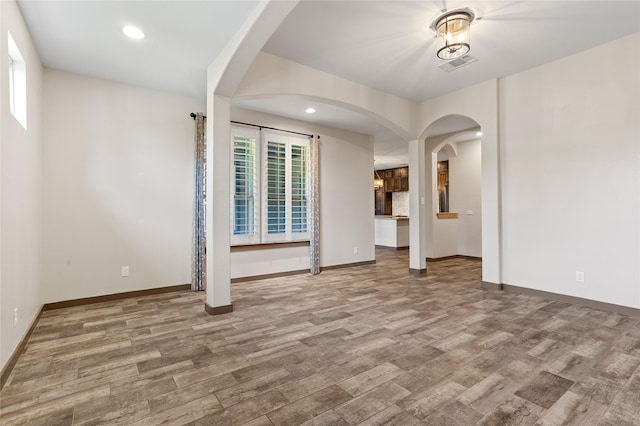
(348, 139)
(388, 164)
(453, 185)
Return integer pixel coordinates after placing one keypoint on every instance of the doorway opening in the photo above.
(454, 184)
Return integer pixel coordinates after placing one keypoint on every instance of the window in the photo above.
(286, 179)
(244, 206)
(299, 202)
(276, 188)
(269, 187)
(17, 82)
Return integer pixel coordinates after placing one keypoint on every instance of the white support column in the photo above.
(218, 207)
(431, 203)
(223, 77)
(418, 208)
(491, 207)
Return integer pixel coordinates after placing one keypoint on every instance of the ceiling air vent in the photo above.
(457, 63)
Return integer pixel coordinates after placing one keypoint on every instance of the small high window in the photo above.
(17, 82)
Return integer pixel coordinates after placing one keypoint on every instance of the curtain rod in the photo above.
(271, 128)
(193, 115)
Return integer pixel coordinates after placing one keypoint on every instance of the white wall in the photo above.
(118, 165)
(20, 191)
(445, 237)
(346, 201)
(265, 261)
(570, 154)
(465, 177)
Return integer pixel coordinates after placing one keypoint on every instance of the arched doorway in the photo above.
(461, 230)
(455, 190)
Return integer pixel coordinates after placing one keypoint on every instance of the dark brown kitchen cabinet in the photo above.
(393, 180)
(404, 179)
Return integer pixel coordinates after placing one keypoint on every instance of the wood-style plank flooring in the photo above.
(367, 345)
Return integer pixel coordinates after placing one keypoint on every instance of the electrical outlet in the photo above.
(124, 271)
(579, 276)
(355, 250)
(15, 316)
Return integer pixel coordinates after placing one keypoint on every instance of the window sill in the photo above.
(447, 215)
(266, 246)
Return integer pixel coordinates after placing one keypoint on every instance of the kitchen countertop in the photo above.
(385, 216)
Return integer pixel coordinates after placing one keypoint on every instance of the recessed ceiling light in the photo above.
(133, 32)
(478, 134)
(310, 110)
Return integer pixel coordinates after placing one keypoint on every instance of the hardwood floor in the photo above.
(368, 345)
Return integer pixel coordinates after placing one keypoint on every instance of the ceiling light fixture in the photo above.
(133, 32)
(310, 110)
(453, 31)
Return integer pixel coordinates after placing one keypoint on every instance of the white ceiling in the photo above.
(384, 44)
(182, 39)
(387, 44)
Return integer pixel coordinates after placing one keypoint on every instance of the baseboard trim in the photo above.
(218, 310)
(392, 248)
(455, 256)
(348, 265)
(13, 359)
(414, 271)
(603, 306)
(486, 285)
(267, 276)
(114, 296)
